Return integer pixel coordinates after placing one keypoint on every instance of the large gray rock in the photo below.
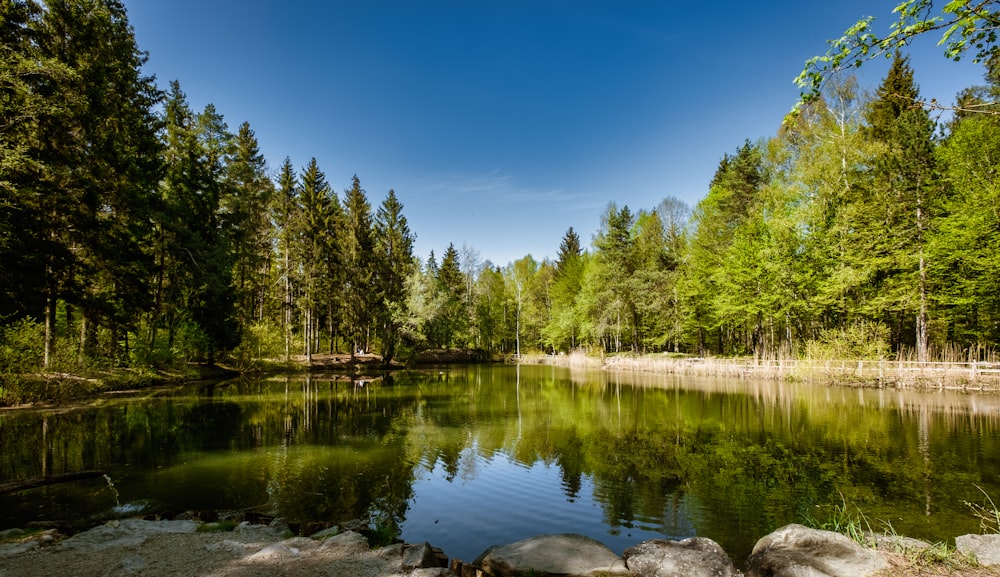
(986, 548)
(565, 555)
(798, 551)
(126, 533)
(694, 557)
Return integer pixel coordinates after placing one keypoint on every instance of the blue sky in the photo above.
(502, 123)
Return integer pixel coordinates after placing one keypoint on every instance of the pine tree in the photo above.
(245, 215)
(284, 214)
(93, 150)
(357, 246)
(450, 326)
(904, 197)
(562, 331)
(315, 248)
(393, 266)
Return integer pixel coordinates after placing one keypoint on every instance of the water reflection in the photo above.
(469, 457)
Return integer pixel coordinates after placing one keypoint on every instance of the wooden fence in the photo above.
(855, 372)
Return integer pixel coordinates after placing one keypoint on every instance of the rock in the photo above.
(12, 549)
(895, 543)
(419, 557)
(348, 540)
(566, 554)
(798, 551)
(233, 516)
(986, 548)
(694, 557)
(10, 534)
(280, 526)
(275, 552)
(328, 532)
(235, 548)
(126, 533)
(129, 566)
(432, 572)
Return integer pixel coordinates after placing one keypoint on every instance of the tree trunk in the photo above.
(50, 331)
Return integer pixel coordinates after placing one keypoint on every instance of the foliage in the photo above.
(967, 25)
(987, 513)
(21, 346)
(860, 341)
(137, 231)
(843, 520)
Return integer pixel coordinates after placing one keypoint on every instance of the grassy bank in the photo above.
(854, 372)
(19, 389)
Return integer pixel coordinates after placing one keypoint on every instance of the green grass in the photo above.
(220, 527)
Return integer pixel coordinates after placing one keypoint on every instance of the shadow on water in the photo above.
(468, 457)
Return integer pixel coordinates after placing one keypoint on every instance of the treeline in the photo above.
(134, 230)
(865, 228)
(137, 231)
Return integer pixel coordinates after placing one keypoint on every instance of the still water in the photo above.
(468, 457)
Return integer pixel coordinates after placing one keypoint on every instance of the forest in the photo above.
(137, 232)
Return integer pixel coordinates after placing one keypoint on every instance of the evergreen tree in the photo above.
(105, 160)
(284, 214)
(357, 248)
(38, 108)
(617, 267)
(315, 248)
(245, 211)
(393, 265)
(450, 327)
(194, 289)
(904, 196)
(562, 332)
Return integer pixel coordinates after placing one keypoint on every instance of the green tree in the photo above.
(284, 212)
(453, 323)
(315, 249)
(906, 196)
(245, 215)
(720, 237)
(358, 266)
(965, 246)
(562, 331)
(618, 266)
(39, 106)
(193, 273)
(393, 266)
(493, 303)
(81, 153)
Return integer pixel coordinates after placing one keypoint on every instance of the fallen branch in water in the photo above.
(25, 484)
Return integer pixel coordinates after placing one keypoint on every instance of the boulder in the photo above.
(419, 557)
(126, 533)
(798, 551)
(694, 557)
(986, 548)
(346, 541)
(565, 554)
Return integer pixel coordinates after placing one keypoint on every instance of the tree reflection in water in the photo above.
(469, 454)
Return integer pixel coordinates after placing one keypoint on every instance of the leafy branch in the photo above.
(967, 25)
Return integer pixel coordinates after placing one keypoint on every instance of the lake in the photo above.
(468, 457)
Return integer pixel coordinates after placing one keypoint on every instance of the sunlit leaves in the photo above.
(968, 25)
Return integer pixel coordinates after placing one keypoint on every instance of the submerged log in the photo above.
(25, 484)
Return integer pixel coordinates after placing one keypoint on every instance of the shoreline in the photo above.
(978, 376)
(161, 548)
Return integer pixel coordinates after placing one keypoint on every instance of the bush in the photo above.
(261, 340)
(22, 347)
(861, 341)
